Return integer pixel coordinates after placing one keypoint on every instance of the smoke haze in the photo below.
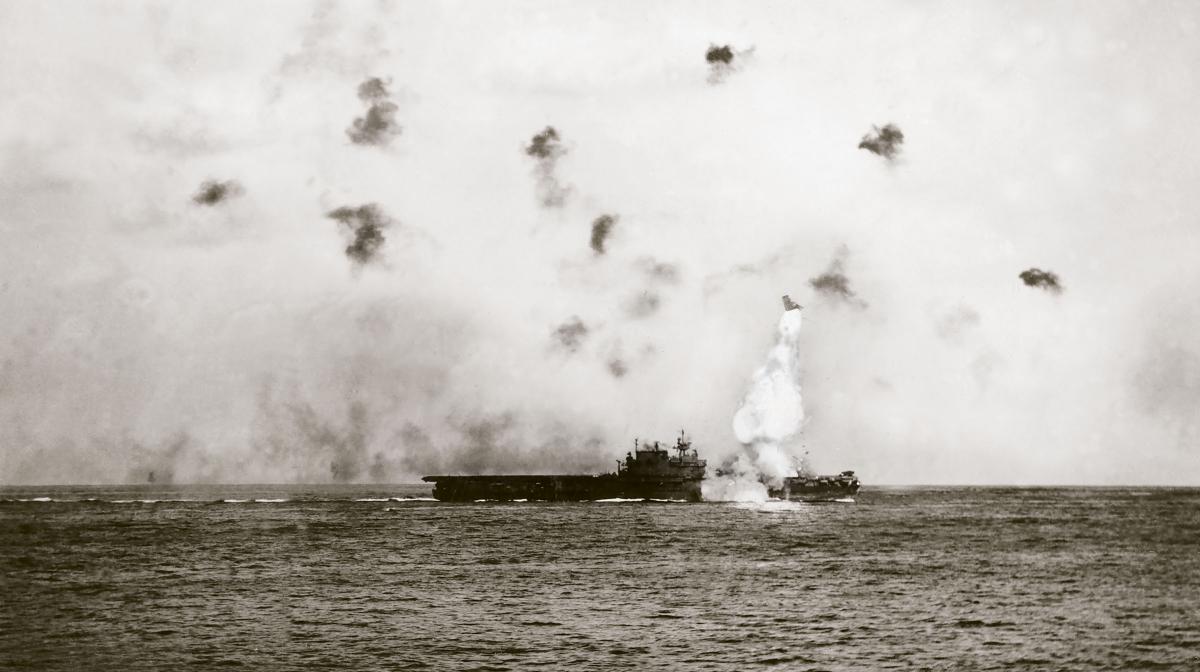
(257, 339)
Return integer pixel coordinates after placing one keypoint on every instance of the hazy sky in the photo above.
(146, 326)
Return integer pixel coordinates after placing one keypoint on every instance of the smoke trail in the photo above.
(547, 148)
(771, 414)
(720, 62)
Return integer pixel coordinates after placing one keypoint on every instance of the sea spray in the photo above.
(772, 413)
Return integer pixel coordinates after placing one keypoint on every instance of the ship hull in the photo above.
(561, 488)
(817, 489)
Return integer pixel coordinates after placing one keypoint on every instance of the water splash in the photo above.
(771, 414)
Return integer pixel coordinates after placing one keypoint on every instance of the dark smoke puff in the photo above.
(601, 229)
(884, 141)
(213, 192)
(617, 367)
(834, 284)
(722, 54)
(377, 128)
(570, 334)
(379, 125)
(720, 62)
(366, 223)
(373, 90)
(546, 146)
(1036, 277)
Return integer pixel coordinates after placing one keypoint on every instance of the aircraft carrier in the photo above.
(817, 488)
(648, 472)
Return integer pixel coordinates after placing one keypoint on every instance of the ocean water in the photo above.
(342, 577)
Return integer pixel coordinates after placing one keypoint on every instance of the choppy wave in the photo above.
(623, 500)
(396, 499)
(431, 573)
(193, 500)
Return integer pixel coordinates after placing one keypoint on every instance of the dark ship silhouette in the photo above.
(816, 488)
(649, 472)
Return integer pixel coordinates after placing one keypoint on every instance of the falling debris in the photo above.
(379, 125)
(884, 141)
(366, 223)
(1036, 277)
(570, 334)
(601, 229)
(546, 147)
(834, 284)
(213, 192)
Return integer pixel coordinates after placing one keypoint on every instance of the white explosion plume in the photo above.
(771, 414)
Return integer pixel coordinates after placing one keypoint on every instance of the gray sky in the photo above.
(143, 331)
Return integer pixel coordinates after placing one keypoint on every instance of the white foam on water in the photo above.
(770, 506)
